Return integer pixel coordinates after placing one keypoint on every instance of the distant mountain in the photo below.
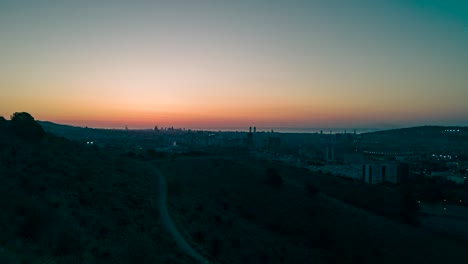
(73, 132)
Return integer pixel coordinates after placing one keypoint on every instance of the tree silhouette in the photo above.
(23, 126)
(3, 122)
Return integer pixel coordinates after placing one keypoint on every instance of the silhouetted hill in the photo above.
(422, 140)
(421, 131)
(66, 202)
(71, 132)
(50, 126)
(63, 202)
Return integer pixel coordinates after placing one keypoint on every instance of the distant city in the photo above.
(298, 130)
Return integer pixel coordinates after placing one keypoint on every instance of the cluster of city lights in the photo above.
(451, 130)
(388, 153)
(440, 156)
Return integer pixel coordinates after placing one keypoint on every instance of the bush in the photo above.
(153, 154)
(311, 189)
(325, 238)
(7, 257)
(36, 220)
(216, 247)
(136, 248)
(273, 178)
(69, 242)
(174, 187)
(3, 122)
(409, 207)
(130, 154)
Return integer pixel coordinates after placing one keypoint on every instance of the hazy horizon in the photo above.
(236, 64)
(325, 130)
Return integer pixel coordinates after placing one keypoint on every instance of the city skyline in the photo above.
(290, 64)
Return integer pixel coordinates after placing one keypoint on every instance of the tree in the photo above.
(3, 122)
(24, 126)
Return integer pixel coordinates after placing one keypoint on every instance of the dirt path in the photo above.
(160, 196)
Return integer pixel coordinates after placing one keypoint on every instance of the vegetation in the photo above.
(3, 122)
(273, 178)
(66, 202)
(25, 127)
(311, 189)
(63, 202)
(409, 206)
(231, 213)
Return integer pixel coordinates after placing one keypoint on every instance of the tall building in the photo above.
(374, 172)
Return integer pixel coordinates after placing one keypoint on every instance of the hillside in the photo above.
(66, 203)
(428, 139)
(81, 133)
(420, 131)
(227, 206)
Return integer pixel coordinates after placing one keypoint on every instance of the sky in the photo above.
(221, 64)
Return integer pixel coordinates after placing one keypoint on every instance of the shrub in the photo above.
(216, 247)
(273, 178)
(69, 242)
(409, 207)
(36, 220)
(247, 213)
(7, 257)
(3, 122)
(199, 237)
(130, 154)
(136, 248)
(311, 189)
(326, 238)
(174, 187)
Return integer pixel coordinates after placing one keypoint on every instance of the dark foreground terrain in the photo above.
(65, 202)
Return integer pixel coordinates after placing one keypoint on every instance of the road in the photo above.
(160, 196)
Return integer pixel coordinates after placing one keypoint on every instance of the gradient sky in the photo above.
(219, 64)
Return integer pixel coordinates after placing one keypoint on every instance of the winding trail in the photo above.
(160, 195)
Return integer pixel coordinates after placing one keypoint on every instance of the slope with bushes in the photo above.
(243, 210)
(63, 202)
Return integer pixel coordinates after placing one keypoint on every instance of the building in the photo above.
(375, 171)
